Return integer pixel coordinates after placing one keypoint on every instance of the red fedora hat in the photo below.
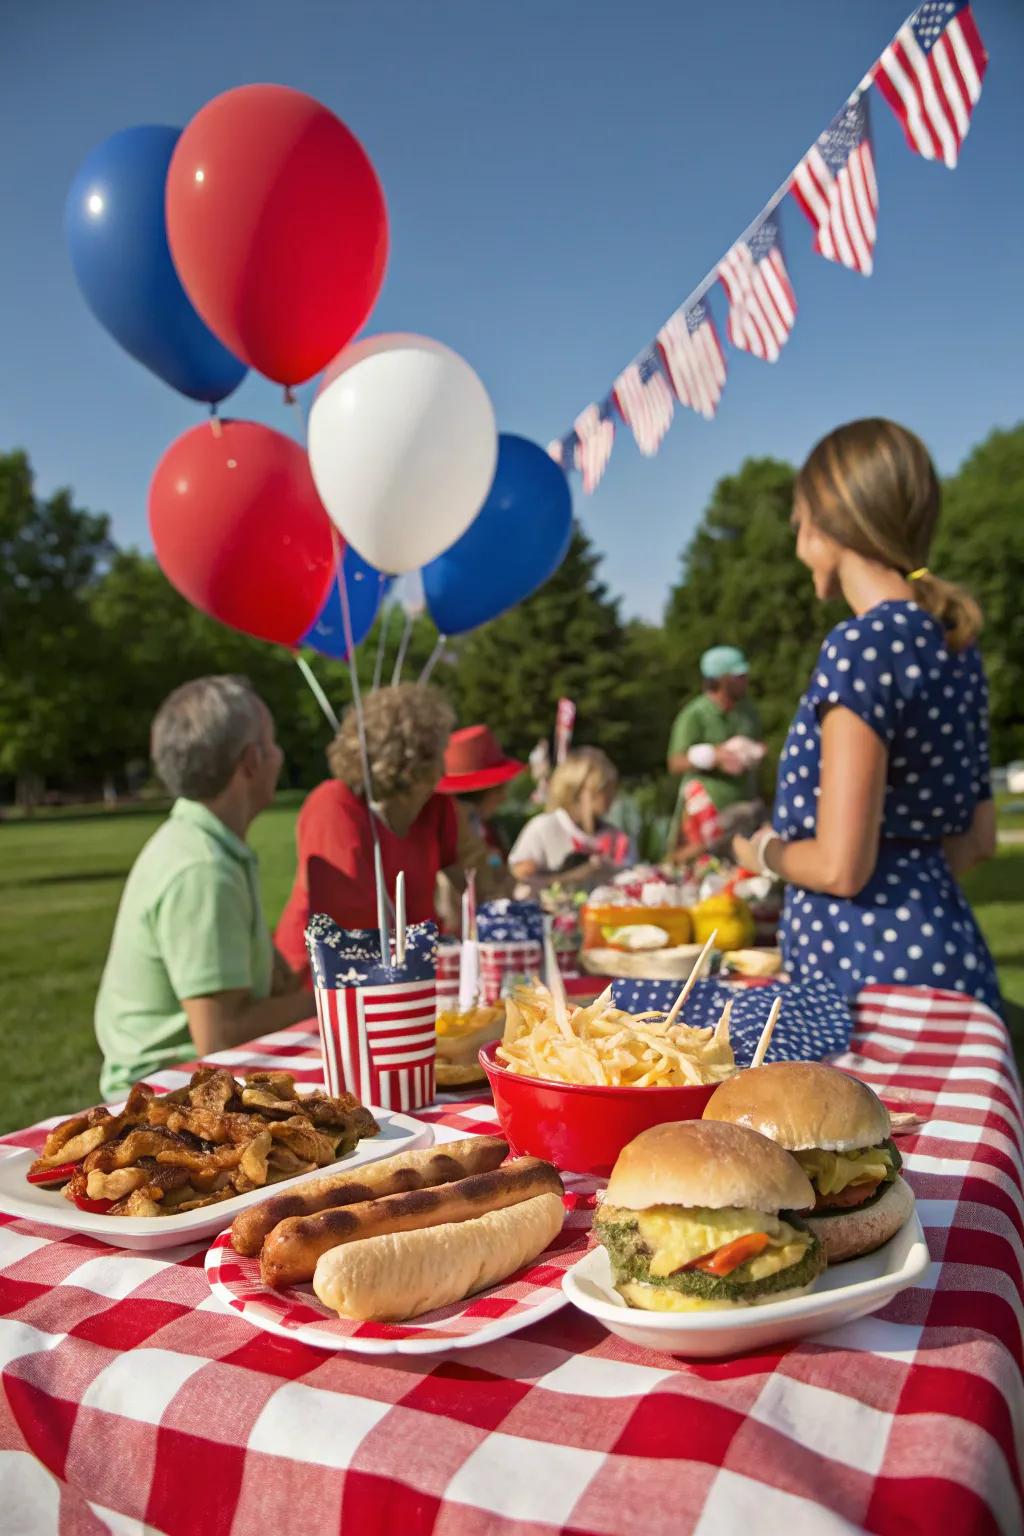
(474, 760)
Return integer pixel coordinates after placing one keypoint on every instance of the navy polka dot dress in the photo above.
(910, 924)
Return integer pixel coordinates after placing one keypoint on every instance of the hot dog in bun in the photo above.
(839, 1132)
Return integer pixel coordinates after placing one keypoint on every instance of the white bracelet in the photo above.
(759, 843)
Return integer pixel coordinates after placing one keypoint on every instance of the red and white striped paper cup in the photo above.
(379, 1042)
(448, 964)
(504, 965)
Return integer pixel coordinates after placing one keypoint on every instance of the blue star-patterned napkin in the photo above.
(815, 1021)
(509, 922)
(350, 957)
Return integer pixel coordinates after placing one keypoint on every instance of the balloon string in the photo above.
(357, 705)
(382, 640)
(317, 692)
(396, 676)
(215, 422)
(433, 659)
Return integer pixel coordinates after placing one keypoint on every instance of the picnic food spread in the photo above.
(214, 1138)
(603, 1044)
(700, 1215)
(459, 1038)
(410, 1233)
(839, 1132)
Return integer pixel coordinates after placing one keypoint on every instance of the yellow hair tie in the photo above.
(916, 575)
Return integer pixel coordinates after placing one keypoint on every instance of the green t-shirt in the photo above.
(703, 721)
(190, 923)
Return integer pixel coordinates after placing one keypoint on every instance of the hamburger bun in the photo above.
(460, 1038)
(705, 1163)
(851, 1234)
(802, 1104)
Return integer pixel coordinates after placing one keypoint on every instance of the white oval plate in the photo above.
(844, 1292)
(296, 1312)
(147, 1234)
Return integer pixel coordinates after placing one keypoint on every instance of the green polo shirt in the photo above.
(190, 923)
(703, 721)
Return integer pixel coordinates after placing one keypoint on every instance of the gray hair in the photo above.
(201, 730)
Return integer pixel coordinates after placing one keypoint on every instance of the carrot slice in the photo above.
(724, 1260)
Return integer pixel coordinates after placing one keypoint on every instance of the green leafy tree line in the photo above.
(93, 637)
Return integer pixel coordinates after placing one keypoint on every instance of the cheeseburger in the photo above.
(838, 1131)
(699, 1215)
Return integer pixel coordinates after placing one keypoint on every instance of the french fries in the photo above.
(605, 1046)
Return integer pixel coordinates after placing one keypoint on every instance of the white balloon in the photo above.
(403, 446)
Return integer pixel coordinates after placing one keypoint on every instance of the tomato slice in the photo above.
(724, 1260)
(56, 1175)
(98, 1207)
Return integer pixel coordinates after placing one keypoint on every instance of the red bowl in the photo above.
(580, 1127)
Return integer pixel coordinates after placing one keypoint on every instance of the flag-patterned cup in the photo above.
(504, 966)
(377, 1021)
(448, 957)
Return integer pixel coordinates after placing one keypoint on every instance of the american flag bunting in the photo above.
(762, 304)
(931, 76)
(694, 358)
(645, 403)
(835, 186)
(563, 451)
(595, 429)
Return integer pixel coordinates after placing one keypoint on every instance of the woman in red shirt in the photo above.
(407, 729)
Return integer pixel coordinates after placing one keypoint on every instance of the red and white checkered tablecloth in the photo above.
(134, 1403)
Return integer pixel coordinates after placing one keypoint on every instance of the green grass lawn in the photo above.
(60, 881)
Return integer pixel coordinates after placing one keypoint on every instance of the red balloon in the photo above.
(278, 228)
(239, 529)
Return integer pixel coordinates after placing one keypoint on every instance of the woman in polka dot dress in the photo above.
(883, 799)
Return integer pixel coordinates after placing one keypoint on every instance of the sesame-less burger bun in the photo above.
(702, 1163)
(850, 1234)
(802, 1104)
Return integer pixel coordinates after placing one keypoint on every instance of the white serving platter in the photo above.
(842, 1294)
(147, 1234)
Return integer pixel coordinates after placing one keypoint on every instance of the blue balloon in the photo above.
(365, 587)
(517, 540)
(117, 235)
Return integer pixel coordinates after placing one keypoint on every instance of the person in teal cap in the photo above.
(716, 747)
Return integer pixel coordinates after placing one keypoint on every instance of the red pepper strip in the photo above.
(100, 1207)
(724, 1260)
(57, 1175)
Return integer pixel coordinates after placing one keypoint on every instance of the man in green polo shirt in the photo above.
(191, 967)
(715, 746)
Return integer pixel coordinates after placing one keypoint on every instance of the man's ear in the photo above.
(250, 759)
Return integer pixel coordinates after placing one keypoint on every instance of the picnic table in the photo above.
(134, 1403)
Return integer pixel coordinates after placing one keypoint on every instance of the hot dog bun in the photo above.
(291, 1250)
(403, 1274)
(391, 1176)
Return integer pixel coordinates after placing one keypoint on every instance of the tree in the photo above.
(566, 640)
(981, 545)
(52, 554)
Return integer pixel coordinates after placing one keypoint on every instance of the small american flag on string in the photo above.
(563, 451)
(835, 186)
(595, 430)
(645, 401)
(762, 304)
(931, 76)
(694, 358)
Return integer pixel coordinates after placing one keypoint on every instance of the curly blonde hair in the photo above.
(569, 778)
(407, 730)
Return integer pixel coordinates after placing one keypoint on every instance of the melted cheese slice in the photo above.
(831, 1172)
(677, 1235)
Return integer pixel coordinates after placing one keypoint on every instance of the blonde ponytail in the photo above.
(872, 487)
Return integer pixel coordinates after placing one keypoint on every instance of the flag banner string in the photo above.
(930, 75)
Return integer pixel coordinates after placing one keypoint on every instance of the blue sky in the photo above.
(559, 174)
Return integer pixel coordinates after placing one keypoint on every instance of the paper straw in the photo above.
(766, 1034)
(382, 907)
(469, 975)
(677, 1006)
(400, 918)
(471, 894)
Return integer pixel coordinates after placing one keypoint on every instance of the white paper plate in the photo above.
(146, 1234)
(295, 1312)
(844, 1292)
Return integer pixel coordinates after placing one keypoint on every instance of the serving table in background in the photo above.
(134, 1403)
